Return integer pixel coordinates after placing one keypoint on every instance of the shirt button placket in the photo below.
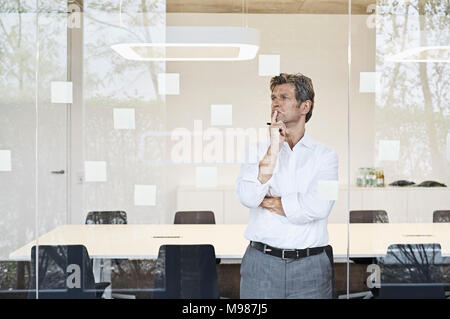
(292, 174)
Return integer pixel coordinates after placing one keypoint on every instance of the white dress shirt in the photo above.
(295, 179)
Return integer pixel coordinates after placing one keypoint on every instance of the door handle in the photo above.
(58, 172)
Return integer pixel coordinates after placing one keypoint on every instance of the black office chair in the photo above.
(106, 217)
(112, 218)
(64, 272)
(367, 217)
(186, 272)
(195, 217)
(411, 271)
(441, 216)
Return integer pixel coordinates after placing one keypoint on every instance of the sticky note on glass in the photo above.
(168, 83)
(327, 190)
(124, 119)
(5, 160)
(388, 150)
(95, 171)
(61, 92)
(368, 82)
(268, 64)
(221, 114)
(206, 177)
(144, 195)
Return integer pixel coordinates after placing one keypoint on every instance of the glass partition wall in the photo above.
(399, 146)
(33, 134)
(125, 112)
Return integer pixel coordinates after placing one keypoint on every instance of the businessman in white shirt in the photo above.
(288, 255)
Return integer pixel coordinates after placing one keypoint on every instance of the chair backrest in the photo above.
(106, 217)
(441, 216)
(368, 216)
(194, 217)
(64, 272)
(186, 272)
(411, 271)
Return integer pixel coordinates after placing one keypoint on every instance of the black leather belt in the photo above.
(287, 253)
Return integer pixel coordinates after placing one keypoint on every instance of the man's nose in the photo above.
(275, 103)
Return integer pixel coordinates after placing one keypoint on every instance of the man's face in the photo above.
(285, 103)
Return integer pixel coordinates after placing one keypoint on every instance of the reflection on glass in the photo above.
(412, 101)
(411, 123)
(412, 271)
(64, 272)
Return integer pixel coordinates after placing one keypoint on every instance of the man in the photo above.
(288, 255)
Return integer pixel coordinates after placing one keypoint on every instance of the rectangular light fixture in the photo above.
(194, 44)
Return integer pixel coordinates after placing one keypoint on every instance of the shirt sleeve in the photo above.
(303, 208)
(249, 189)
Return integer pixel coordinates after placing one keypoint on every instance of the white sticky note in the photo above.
(368, 82)
(168, 83)
(206, 177)
(61, 92)
(388, 150)
(95, 171)
(327, 190)
(124, 119)
(144, 195)
(221, 114)
(269, 64)
(448, 146)
(5, 160)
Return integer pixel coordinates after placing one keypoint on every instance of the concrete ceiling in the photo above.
(269, 6)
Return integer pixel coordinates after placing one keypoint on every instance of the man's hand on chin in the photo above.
(273, 204)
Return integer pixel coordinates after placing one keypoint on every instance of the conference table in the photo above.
(142, 241)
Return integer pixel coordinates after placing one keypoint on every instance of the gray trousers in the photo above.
(268, 277)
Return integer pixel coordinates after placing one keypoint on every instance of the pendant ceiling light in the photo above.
(439, 53)
(422, 46)
(194, 44)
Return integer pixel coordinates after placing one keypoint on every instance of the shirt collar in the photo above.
(306, 141)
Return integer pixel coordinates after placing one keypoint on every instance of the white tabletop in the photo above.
(143, 241)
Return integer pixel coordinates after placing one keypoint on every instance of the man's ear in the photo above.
(306, 106)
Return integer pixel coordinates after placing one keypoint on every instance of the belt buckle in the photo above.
(284, 250)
